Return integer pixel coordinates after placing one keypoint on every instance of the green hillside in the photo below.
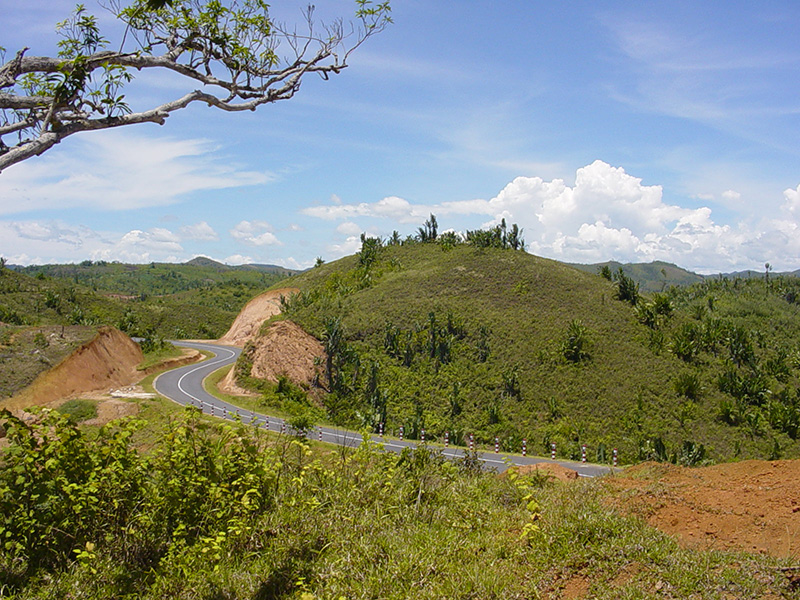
(495, 342)
(27, 351)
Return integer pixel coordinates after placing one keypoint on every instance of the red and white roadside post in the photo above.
(266, 423)
(553, 450)
(583, 453)
(615, 457)
(471, 442)
(283, 427)
(381, 430)
(319, 434)
(422, 438)
(401, 433)
(524, 447)
(446, 438)
(496, 444)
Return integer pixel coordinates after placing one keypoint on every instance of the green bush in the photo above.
(687, 384)
(575, 345)
(78, 410)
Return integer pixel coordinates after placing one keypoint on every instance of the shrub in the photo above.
(687, 384)
(627, 288)
(692, 454)
(78, 410)
(684, 342)
(575, 344)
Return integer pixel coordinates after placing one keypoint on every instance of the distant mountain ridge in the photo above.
(196, 300)
(657, 276)
(208, 263)
(654, 276)
(651, 277)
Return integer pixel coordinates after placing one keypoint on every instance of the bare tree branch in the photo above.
(229, 47)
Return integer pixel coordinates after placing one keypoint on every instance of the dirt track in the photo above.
(752, 505)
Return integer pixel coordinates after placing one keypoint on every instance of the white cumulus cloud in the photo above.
(255, 233)
(607, 214)
(349, 228)
(118, 170)
(237, 259)
(201, 231)
(39, 242)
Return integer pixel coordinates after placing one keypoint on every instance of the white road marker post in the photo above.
(283, 427)
(446, 438)
(319, 433)
(401, 433)
(583, 453)
(471, 442)
(553, 450)
(496, 444)
(381, 430)
(524, 447)
(422, 439)
(615, 457)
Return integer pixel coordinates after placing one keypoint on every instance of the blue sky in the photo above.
(633, 131)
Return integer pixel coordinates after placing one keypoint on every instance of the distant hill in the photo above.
(651, 277)
(503, 343)
(756, 274)
(159, 278)
(658, 275)
(169, 300)
(204, 262)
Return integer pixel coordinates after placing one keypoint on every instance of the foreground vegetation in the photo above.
(224, 511)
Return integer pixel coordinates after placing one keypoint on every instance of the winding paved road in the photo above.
(184, 385)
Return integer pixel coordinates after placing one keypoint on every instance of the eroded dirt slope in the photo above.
(751, 505)
(26, 352)
(253, 315)
(109, 359)
(285, 349)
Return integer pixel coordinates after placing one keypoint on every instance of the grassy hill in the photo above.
(494, 342)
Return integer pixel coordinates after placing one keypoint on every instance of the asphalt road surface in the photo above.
(184, 385)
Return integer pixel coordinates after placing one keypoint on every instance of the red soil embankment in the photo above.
(253, 315)
(107, 360)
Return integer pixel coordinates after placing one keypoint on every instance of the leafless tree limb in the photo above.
(229, 48)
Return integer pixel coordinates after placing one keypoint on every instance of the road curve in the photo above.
(184, 385)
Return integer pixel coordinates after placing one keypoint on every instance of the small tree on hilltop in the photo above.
(627, 288)
(428, 232)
